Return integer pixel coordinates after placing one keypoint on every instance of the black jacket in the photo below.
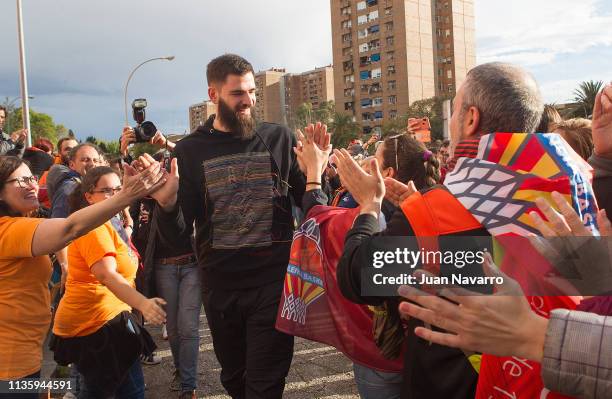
(238, 192)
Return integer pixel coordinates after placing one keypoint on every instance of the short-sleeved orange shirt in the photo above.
(87, 304)
(25, 309)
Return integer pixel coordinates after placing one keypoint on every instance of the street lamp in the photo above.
(169, 58)
(9, 104)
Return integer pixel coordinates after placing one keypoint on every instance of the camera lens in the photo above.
(148, 130)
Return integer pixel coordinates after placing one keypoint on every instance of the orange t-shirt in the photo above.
(25, 307)
(87, 304)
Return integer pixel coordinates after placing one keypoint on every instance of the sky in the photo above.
(80, 53)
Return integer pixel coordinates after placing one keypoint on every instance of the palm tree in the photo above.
(584, 96)
(343, 129)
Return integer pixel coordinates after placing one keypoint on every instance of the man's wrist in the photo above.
(535, 335)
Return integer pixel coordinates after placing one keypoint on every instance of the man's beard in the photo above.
(241, 126)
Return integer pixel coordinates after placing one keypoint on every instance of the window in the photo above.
(364, 75)
(365, 88)
(349, 78)
(347, 66)
(345, 10)
(346, 37)
(349, 92)
(376, 73)
(391, 85)
(390, 41)
(363, 47)
(366, 102)
(363, 61)
(447, 33)
(361, 33)
(392, 99)
(367, 129)
(374, 29)
(371, 2)
(374, 44)
(391, 70)
(375, 57)
(375, 88)
(366, 116)
(389, 11)
(439, 72)
(449, 74)
(347, 51)
(362, 19)
(378, 101)
(390, 55)
(372, 16)
(388, 26)
(393, 114)
(348, 106)
(347, 24)
(378, 115)
(361, 5)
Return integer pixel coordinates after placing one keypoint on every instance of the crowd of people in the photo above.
(209, 221)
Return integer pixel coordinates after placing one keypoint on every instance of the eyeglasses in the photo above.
(107, 191)
(25, 181)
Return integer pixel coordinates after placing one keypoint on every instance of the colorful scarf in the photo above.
(499, 188)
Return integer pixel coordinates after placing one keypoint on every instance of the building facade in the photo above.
(389, 53)
(314, 87)
(199, 113)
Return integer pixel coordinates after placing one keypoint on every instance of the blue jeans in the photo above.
(373, 384)
(179, 286)
(132, 386)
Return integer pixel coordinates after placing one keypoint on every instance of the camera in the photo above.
(144, 130)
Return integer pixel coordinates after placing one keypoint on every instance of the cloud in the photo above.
(538, 32)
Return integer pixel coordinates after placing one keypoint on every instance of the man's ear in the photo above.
(471, 122)
(213, 94)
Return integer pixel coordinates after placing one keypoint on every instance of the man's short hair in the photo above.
(61, 141)
(507, 97)
(3, 108)
(75, 150)
(227, 64)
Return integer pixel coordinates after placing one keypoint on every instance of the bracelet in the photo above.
(313, 182)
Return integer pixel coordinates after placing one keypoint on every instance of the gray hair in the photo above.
(507, 97)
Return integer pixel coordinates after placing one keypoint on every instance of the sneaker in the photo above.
(175, 385)
(188, 395)
(151, 360)
(164, 332)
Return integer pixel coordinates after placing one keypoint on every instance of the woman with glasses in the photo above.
(25, 267)
(94, 325)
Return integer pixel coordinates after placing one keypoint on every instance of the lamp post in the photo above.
(10, 104)
(23, 75)
(169, 58)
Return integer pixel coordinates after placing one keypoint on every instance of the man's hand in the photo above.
(19, 136)
(502, 324)
(127, 137)
(165, 194)
(161, 141)
(367, 189)
(602, 123)
(316, 134)
(397, 192)
(312, 157)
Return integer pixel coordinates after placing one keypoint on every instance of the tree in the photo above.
(430, 108)
(584, 96)
(343, 129)
(303, 116)
(41, 125)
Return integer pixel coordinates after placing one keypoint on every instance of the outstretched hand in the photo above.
(318, 140)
